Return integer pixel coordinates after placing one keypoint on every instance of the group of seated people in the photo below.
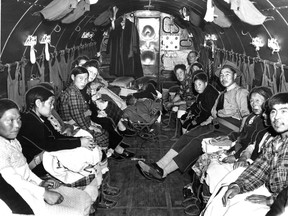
(236, 144)
(55, 150)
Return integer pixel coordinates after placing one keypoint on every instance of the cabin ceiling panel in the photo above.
(234, 38)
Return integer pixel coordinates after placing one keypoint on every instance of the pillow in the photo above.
(123, 82)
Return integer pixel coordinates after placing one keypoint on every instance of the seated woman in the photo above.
(102, 106)
(234, 156)
(184, 96)
(38, 135)
(113, 103)
(55, 119)
(82, 60)
(194, 68)
(74, 107)
(200, 110)
(93, 69)
(23, 191)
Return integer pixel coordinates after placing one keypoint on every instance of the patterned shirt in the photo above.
(270, 168)
(186, 88)
(73, 107)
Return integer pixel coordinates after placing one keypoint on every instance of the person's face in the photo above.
(279, 118)
(191, 58)
(195, 68)
(200, 86)
(93, 72)
(227, 77)
(256, 102)
(180, 75)
(10, 124)
(44, 108)
(80, 80)
(82, 62)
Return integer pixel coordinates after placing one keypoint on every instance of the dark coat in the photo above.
(200, 110)
(37, 135)
(124, 50)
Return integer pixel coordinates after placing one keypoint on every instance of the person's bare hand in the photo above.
(52, 197)
(50, 183)
(222, 138)
(229, 159)
(230, 193)
(240, 163)
(87, 142)
(258, 199)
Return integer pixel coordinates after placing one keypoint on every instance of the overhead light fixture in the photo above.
(257, 42)
(274, 45)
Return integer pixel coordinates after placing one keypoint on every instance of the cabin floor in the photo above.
(140, 196)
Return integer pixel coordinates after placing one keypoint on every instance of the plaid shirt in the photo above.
(73, 106)
(270, 168)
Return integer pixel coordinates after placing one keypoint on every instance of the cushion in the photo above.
(123, 82)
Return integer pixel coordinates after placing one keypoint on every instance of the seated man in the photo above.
(228, 114)
(141, 110)
(257, 187)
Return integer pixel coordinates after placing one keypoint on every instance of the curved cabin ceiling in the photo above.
(19, 20)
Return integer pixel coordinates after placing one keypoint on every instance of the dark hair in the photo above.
(6, 104)
(266, 112)
(129, 99)
(179, 66)
(264, 91)
(76, 62)
(92, 63)
(79, 70)
(47, 85)
(35, 93)
(200, 75)
(280, 98)
(198, 64)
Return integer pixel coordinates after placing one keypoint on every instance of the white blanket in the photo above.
(71, 165)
